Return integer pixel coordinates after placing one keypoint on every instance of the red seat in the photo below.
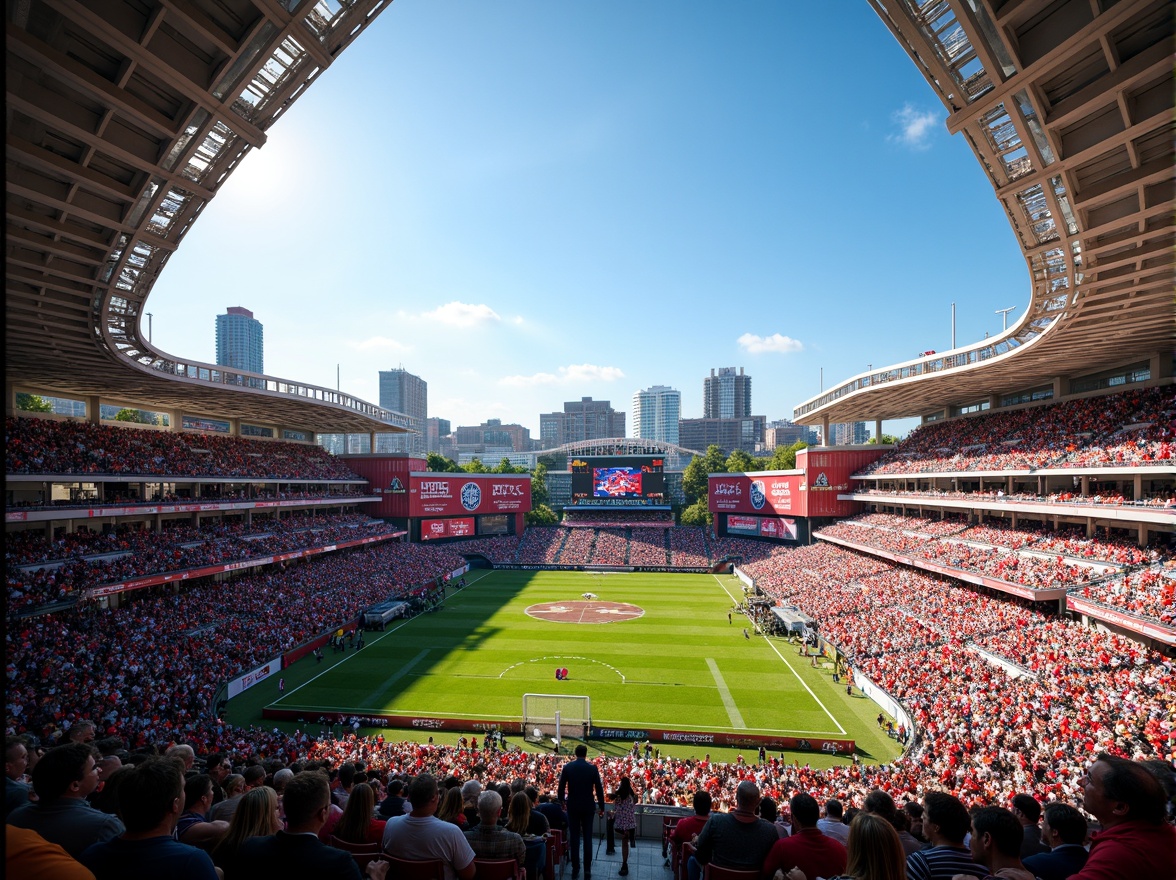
(668, 823)
(498, 869)
(684, 854)
(714, 872)
(363, 853)
(415, 869)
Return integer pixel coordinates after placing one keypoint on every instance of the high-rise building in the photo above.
(492, 433)
(656, 411)
(726, 394)
(402, 392)
(850, 433)
(784, 433)
(435, 429)
(583, 419)
(745, 433)
(240, 341)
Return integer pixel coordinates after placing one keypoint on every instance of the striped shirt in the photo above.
(942, 863)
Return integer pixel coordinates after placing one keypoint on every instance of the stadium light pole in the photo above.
(953, 325)
(149, 317)
(1004, 313)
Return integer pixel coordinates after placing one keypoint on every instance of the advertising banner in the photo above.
(249, 679)
(779, 528)
(432, 529)
(447, 495)
(758, 494)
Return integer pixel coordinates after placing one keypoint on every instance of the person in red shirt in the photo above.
(689, 827)
(808, 848)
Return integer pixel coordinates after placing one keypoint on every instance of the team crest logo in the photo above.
(821, 482)
(396, 486)
(757, 494)
(471, 496)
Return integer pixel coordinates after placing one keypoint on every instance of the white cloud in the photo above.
(915, 127)
(574, 373)
(777, 343)
(379, 343)
(459, 314)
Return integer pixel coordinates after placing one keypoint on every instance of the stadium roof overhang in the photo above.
(1070, 114)
(621, 446)
(124, 119)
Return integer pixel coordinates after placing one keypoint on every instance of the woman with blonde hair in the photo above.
(532, 825)
(874, 852)
(256, 816)
(359, 824)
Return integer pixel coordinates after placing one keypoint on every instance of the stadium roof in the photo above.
(1069, 108)
(624, 446)
(124, 119)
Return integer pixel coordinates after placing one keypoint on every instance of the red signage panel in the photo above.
(461, 527)
(446, 494)
(758, 494)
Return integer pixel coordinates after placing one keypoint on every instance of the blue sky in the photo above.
(531, 202)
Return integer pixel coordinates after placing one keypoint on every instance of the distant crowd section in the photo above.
(41, 572)
(209, 493)
(1103, 498)
(1132, 428)
(50, 446)
(673, 546)
(607, 518)
(1032, 555)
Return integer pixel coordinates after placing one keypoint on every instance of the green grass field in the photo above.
(680, 665)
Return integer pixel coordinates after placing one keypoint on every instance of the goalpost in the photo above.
(549, 715)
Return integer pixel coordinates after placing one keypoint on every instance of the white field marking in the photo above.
(562, 657)
(725, 695)
(395, 676)
(344, 660)
(803, 683)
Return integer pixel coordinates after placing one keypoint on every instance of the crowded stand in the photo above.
(1149, 594)
(1129, 428)
(541, 546)
(1103, 498)
(48, 446)
(41, 572)
(499, 551)
(609, 519)
(688, 547)
(648, 548)
(610, 547)
(577, 548)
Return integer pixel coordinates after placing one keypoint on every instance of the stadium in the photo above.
(980, 609)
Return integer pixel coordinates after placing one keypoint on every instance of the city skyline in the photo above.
(668, 196)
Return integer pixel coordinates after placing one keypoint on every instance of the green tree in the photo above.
(127, 414)
(784, 458)
(553, 462)
(541, 515)
(33, 403)
(505, 467)
(740, 462)
(697, 514)
(539, 493)
(439, 464)
(887, 439)
(475, 466)
(694, 481)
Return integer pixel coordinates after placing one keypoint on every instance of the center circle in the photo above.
(585, 611)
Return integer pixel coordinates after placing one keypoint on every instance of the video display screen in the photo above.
(618, 479)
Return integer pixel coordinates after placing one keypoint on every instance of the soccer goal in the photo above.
(555, 716)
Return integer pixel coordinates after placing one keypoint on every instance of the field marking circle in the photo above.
(585, 611)
(549, 657)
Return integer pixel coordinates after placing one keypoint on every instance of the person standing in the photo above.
(625, 821)
(581, 793)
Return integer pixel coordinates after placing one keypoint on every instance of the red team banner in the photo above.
(460, 527)
(760, 494)
(445, 495)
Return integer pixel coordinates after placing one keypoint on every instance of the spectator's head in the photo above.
(805, 811)
(581, 751)
(357, 815)
(151, 797)
(1062, 824)
(833, 810)
(1116, 790)
(470, 791)
(702, 803)
(218, 767)
(198, 793)
(16, 756)
(533, 793)
(395, 788)
(307, 802)
(945, 819)
(880, 803)
(254, 776)
(1026, 809)
(450, 805)
(184, 753)
(422, 793)
(346, 775)
(258, 815)
(519, 813)
(747, 796)
(82, 732)
(281, 778)
(767, 809)
(67, 771)
(234, 785)
(489, 807)
(108, 766)
(996, 835)
(874, 850)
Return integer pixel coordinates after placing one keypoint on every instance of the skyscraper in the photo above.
(656, 411)
(583, 419)
(402, 392)
(726, 395)
(239, 340)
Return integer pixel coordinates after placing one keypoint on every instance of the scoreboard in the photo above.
(618, 481)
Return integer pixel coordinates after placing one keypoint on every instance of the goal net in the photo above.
(555, 716)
